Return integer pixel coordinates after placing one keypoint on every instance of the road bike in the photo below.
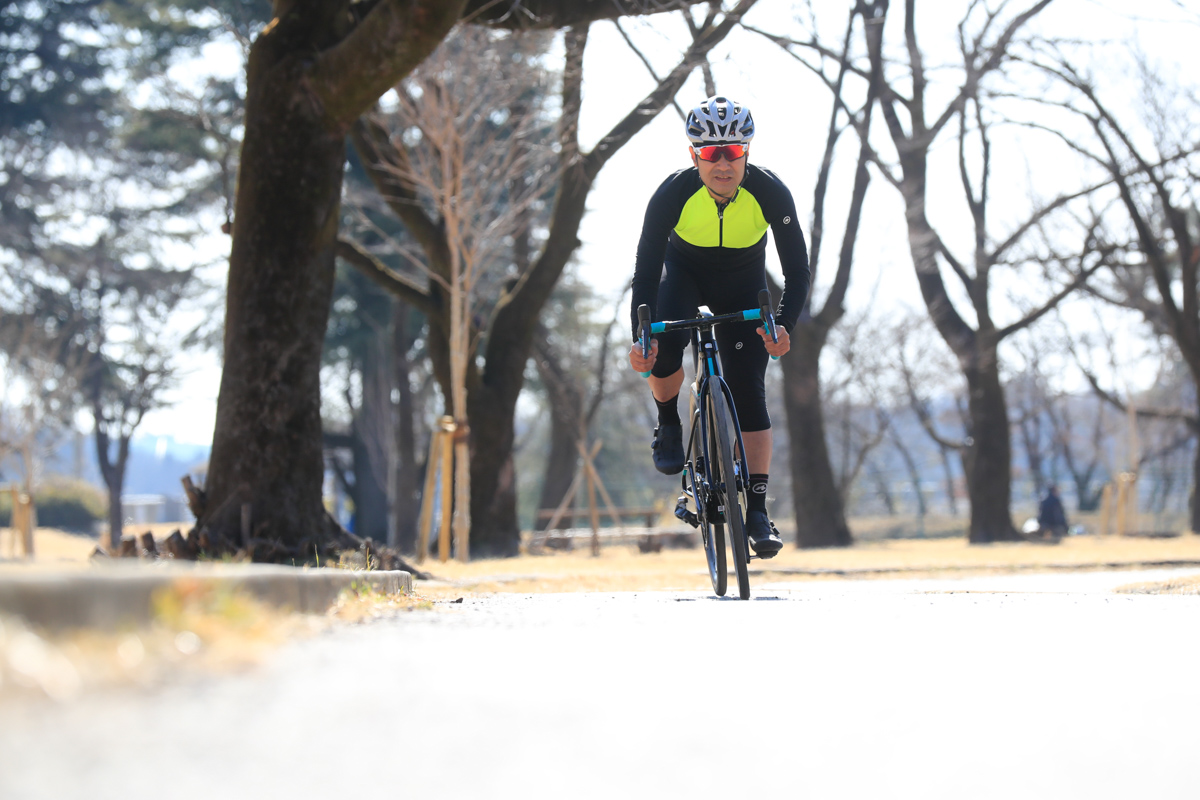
(715, 477)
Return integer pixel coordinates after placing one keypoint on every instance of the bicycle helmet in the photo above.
(719, 120)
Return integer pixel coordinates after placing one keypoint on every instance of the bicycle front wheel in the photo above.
(723, 437)
(712, 535)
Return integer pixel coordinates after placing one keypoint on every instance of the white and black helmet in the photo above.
(719, 120)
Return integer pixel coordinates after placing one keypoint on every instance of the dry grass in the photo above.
(623, 568)
(196, 630)
(51, 548)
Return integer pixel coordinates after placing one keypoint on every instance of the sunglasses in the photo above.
(732, 152)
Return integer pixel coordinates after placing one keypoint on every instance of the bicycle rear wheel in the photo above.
(712, 535)
(723, 436)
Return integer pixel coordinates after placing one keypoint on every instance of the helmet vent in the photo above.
(718, 120)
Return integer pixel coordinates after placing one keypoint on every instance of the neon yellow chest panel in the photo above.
(741, 225)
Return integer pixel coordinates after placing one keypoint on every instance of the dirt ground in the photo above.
(624, 568)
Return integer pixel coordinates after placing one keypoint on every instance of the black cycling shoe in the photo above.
(764, 536)
(668, 449)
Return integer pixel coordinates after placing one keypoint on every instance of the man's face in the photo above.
(722, 177)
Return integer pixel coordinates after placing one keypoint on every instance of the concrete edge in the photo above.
(112, 597)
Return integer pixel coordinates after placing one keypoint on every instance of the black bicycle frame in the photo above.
(708, 373)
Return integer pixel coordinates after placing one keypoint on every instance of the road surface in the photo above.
(1029, 686)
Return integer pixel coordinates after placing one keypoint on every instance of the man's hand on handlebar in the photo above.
(640, 364)
(776, 348)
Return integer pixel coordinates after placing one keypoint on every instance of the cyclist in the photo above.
(704, 242)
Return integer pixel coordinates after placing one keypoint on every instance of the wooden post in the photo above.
(22, 523)
(447, 473)
(1106, 499)
(14, 523)
(590, 468)
(462, 492)
(562, 507)
(1122, 498)
(593, 516)
(1132, 505)
(425, 521)
(31, 522)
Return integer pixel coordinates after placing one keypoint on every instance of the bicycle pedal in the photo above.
(682, 513)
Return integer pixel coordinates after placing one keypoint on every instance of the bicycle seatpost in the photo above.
(644, 332)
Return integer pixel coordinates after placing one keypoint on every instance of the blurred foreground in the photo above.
(1032, 686)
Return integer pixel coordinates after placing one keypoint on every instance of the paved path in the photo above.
(1029, 686)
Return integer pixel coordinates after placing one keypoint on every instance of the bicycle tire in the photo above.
(711, 535)
(721, 425)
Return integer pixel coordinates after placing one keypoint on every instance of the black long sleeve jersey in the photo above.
(682, 217)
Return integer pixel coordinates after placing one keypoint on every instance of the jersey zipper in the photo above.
(721, 218)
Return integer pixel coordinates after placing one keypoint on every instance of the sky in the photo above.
(791, 110)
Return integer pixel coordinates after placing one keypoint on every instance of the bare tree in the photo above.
(572, 362)
(921, 369)
(1153, 163)
(852, 397)
(493, 382)
(38, 386)
(310, 75)
(818, 500)
(986, 40)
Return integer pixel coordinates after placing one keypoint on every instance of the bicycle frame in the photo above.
(706, 359)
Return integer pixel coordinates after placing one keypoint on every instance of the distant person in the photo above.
(1052, 519)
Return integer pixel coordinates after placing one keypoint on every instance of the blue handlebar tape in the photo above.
(774, 358)
(754, 314)
(657, 327)
(647, 374)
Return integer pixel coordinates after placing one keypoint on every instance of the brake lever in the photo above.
(644, 332)
(764, 312)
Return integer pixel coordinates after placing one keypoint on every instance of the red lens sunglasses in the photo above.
(713, 152)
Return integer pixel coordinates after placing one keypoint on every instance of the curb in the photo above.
(118, 595)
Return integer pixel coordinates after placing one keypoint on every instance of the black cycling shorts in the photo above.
(681, 291)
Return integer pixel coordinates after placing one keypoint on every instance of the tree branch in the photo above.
(518, 14)
(387, 44)
(394, 283)
(641, 116)
(387, 164)
(646, 63)
(1172, 414)
(1050, 304)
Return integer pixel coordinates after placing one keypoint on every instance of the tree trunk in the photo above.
(987, 460)
(566, 403)
(408, 478)
(882, 489)
(371, 436)
(561, 463)
(113, 473)
(914, 472)
(820, 516)
(1194, 504)
(494, 528)
(369, 493)
(267, 443)
(948, 472)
